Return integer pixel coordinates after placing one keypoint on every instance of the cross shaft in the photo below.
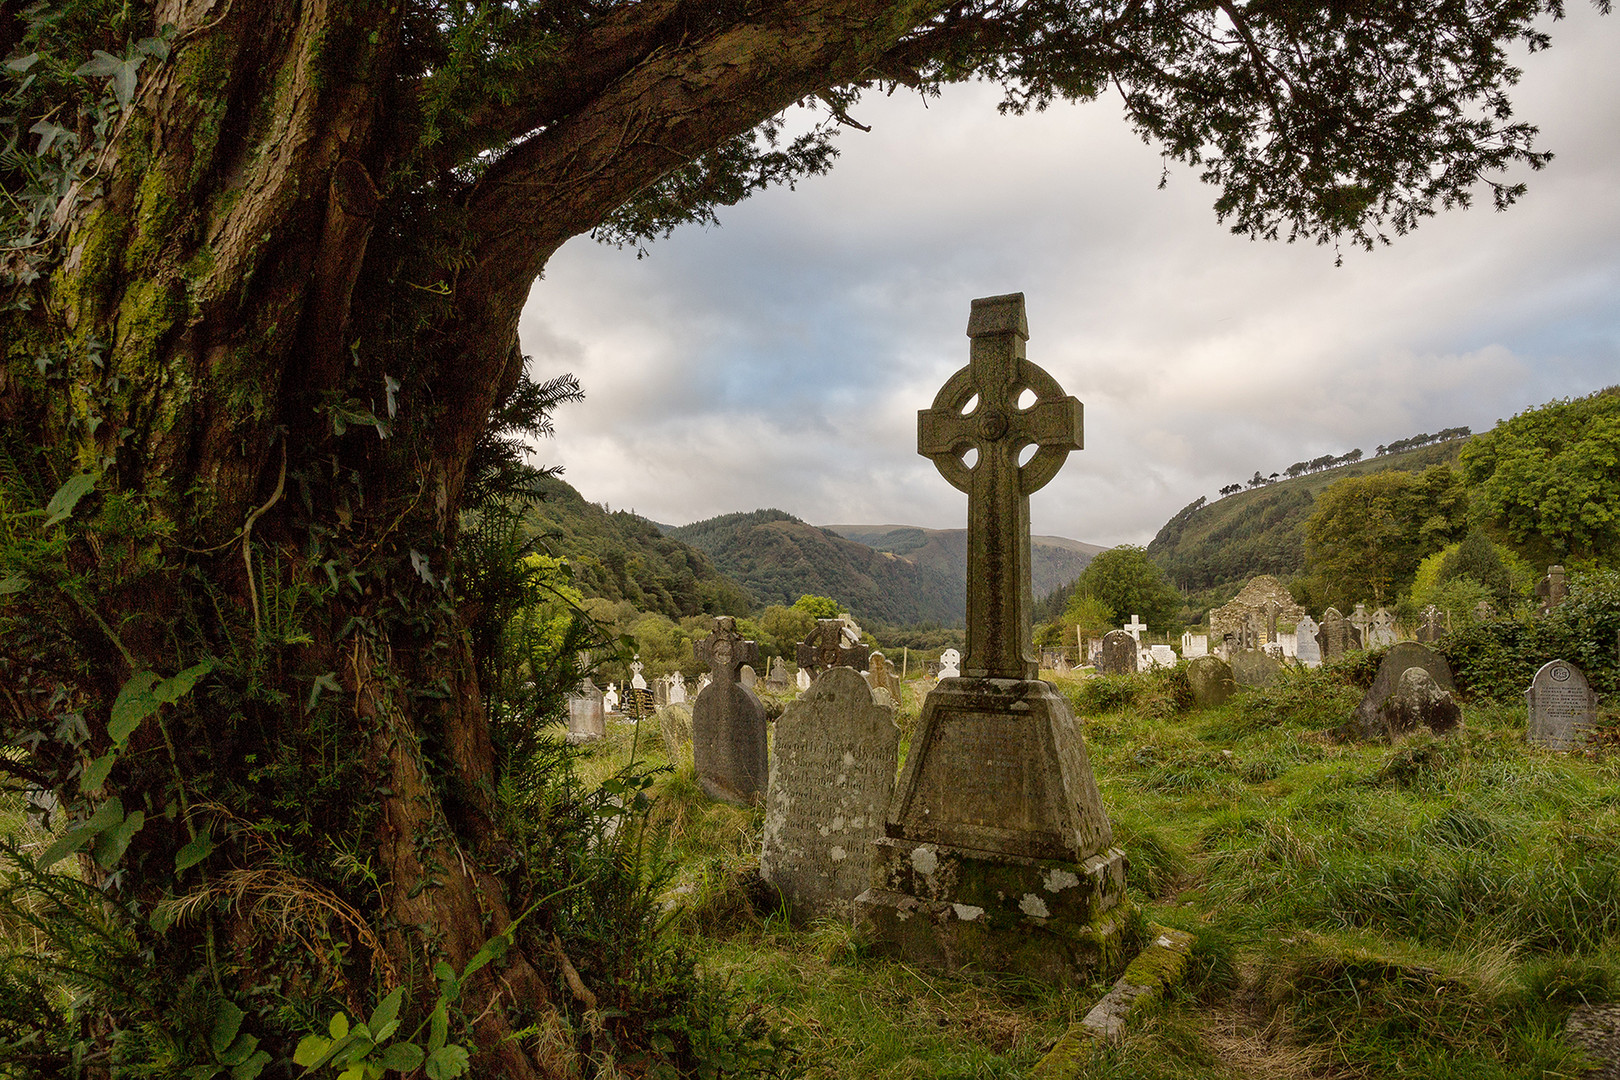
(999, 563)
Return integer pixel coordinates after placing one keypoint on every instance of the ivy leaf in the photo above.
(122, 73)
(446, 1063)
(200, 847)
(327, 681)
(95, 774)
(155, 47)
(111, 844)
(77, 486)
(227, 1022)
(135, 703)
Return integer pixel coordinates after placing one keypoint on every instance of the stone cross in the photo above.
(725, 651)
(1552, 589)
(999, 599)
(636, 679)
(831, 643)
(1135, 628)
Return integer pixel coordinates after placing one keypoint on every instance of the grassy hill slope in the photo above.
(1057, 559)
(620, 556)
(778, 558)
(1262, 530)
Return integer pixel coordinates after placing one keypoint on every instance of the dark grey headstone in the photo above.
(1255, 668)
(832, 773)
(728, 743)
(1406, 654)
(1337, 635)
(1562, 706)
(1118, 655)
(1211, 680)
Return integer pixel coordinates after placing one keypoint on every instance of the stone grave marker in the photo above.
(778, 680)
(1433, 627)
(1363, 624)
(1552, 589)
(880, 676)
(1063, 666)
(586, 719)
(833, 643)
(1307, 649)
(1484, 612)
(675, 725)
(1337, 636)
(1135, 628)
(832, 774)
(677, 689)
(728, 721)
(1162, 655)
(1418, 702)
(747, 677)
(1193, 645)
(997, 852)
(802, 679)
(1562, 706)
(1382, 634)
(1211, 681)
(1406, 654)
(660, 689)
(1118, 654)
(1254, 668)
(610, 700)
(950, 662)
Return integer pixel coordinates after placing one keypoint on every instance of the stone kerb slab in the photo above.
(832, 775)
(1211, 681)
(1118, 655)
(1562, 706)
(1406, 654)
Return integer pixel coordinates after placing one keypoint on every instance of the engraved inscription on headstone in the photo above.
(1563, 707)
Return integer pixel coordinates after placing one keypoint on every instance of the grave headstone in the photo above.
(1252, 667)
(832, 774)
(1484, 612)
(1118, 654)
(1562, 706)
(1211, 681)
(1337, 635)
(997, 852)
(677, 689)
(833, 643)
(1193, 645)
(1405, 654)
(1418, 702)
(1382, 633)
(1163, 655)
(675, 725)
(1362, 621)
(880, 675)
(803, 680)
(1433, 627)
(586, 720)
(610, 700)
(1063, 666)
(703, 681)
(1135, 628)
(660, 689)
(1144, 658)
(1552, 589)
(747, 677)
(778, 680)
(728, 721)
(950, 662)
(1307, 650)
(637, 680)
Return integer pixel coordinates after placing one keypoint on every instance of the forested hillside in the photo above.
(1261, 530)
(779, 558)
(1056, 560)
(620, 556)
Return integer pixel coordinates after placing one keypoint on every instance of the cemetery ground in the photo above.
(1430, 907)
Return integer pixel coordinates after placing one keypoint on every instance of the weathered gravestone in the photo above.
(1362, 621)
(1307, 649)
(1337, 636)
(1118, 655)
(586, 716)
(1162, 655)
(1418, 702)
(747, 677)
(677, 689)
(1433, 626)
(950, 662)
(1552, 589)
(1193, 645)
(1562, 706)
(1484, 612)
(675, 725)
(833, 643)
(1368, 723)
(832, 773)
(1253, 668)
(778, 680)
(880, 675)
(638, 699)
(997, 852)
(728, 721)
(610, 700)
(1210, 679)
(660, 689)
(1135, 628)
(1382, 632)
(803, 680)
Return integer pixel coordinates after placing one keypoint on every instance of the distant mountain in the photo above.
(622, 556)
(1262, 530)
(779, 558)
(1057, 559)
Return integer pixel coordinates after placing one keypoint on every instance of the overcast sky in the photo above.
(780, 359)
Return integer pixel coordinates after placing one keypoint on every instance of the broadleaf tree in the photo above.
(261, 267)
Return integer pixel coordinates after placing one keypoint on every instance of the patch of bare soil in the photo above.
(1596, 1029)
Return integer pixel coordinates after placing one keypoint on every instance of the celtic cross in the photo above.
(977, 409)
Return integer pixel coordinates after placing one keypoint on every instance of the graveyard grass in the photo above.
(1429, 907)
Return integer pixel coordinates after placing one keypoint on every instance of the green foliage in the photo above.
(1367, 535)
(1125, 580)
(782, 628)
(1496, 660)
(1546, 479)
(818, 607)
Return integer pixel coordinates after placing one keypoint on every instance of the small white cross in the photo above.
(1135, 628)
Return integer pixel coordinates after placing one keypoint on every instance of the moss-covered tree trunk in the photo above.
(273, 329)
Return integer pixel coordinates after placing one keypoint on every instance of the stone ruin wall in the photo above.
(1255, 599)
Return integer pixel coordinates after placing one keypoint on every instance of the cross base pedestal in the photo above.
(997, 851)
(948, 908)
